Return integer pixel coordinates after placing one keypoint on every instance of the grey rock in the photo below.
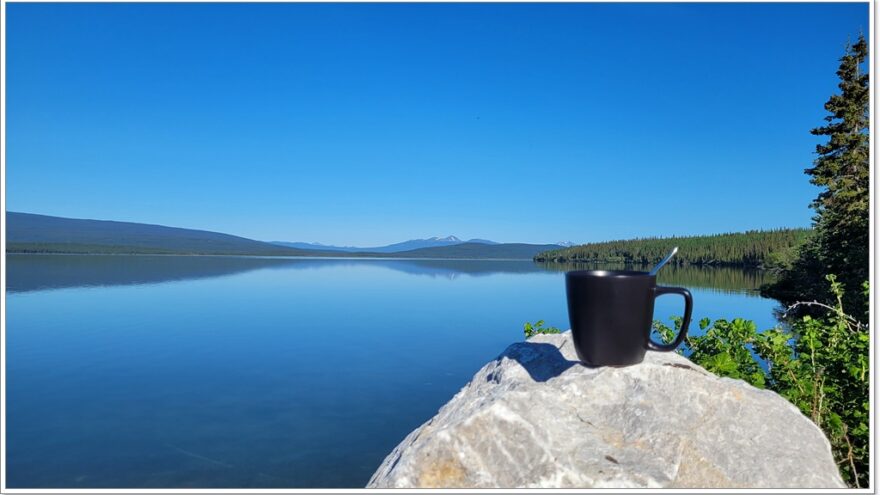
(536, 418)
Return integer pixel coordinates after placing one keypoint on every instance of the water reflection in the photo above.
(718, 279)
(27, 272)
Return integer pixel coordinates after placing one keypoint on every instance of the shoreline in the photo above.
(259, 256)
(392, 258)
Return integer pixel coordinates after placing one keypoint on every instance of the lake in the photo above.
(238, 372)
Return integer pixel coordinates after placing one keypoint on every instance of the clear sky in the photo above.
(370, 124)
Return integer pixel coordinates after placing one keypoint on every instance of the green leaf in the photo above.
(723, 364)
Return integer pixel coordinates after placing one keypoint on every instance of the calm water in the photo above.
(200, 372)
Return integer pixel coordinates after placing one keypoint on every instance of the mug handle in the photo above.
(688, 306)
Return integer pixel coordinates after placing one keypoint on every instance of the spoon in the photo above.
(665, 260)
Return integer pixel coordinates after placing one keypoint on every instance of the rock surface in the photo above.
(536, 418)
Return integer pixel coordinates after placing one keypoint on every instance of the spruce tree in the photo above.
(840, 243)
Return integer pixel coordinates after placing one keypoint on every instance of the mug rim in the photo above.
(608, 273)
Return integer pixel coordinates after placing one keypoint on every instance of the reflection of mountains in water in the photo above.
(42, 272)
(27, 272)
(719, 279)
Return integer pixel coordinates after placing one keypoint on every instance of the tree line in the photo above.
(753, 249)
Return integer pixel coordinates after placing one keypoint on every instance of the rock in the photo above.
(536, 418)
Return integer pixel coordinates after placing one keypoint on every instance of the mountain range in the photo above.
(391, 248)
(32, 233)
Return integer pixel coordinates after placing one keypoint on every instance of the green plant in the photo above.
(531, 330)
(839, 243)
(820, 364)
(725, 348)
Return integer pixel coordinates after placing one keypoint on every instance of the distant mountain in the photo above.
(30, 233)
(566, 243)
(26, 232)
(391, 248)
(475, 250)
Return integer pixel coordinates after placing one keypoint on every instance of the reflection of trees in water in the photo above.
(29, 272)
(41, 272)
(721, 279)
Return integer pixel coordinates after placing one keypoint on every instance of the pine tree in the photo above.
(840, 243)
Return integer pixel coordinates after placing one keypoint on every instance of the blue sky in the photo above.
(370, 124)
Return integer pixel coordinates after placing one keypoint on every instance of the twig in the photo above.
(794, 379)
(859, 325)
(821, 393)
(852, 464)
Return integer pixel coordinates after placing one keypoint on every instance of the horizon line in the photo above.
(463, 241)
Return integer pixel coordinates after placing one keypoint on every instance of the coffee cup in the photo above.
(611, 313)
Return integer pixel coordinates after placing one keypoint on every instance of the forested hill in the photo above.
(753, 249)
(30, 233)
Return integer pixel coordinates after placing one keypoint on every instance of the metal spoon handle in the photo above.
(665, 260)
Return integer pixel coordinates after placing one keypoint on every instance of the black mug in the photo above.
(611, 313)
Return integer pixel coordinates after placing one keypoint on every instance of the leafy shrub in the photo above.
(531, 330)
(820, 364)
